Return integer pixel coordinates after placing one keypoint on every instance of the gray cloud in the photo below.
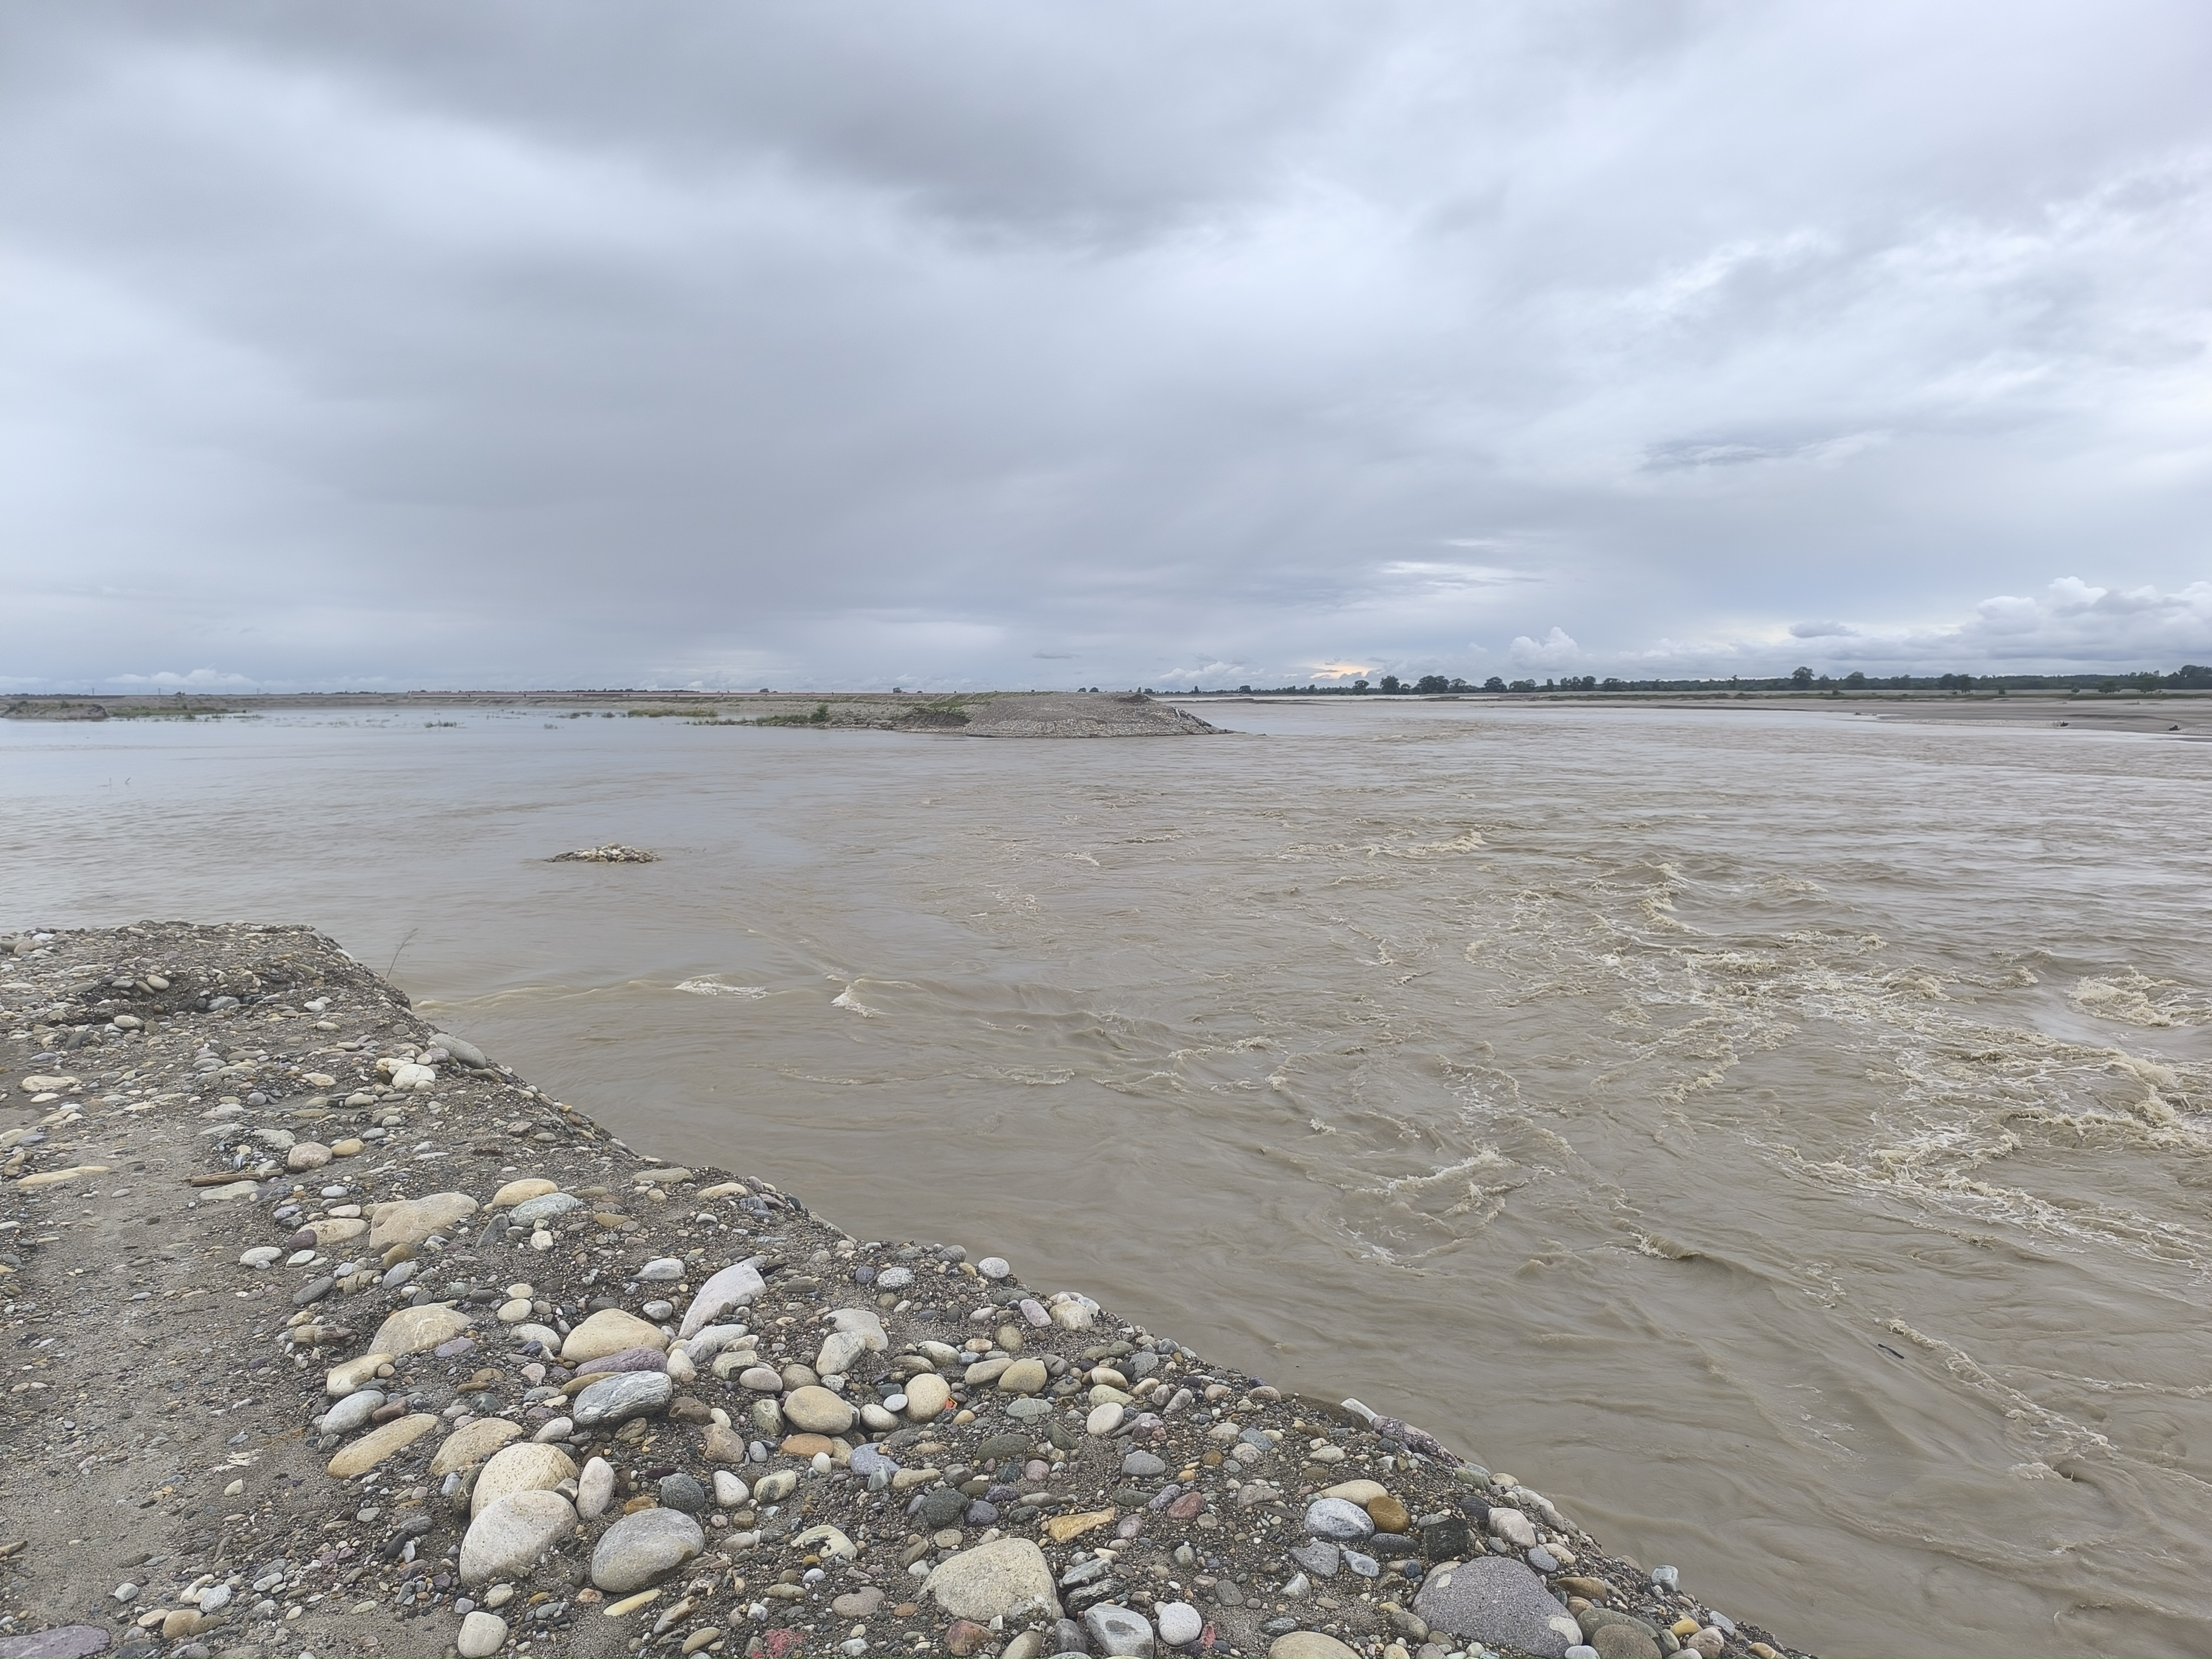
(543, 343)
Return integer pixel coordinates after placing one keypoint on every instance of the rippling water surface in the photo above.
(1785, 1140)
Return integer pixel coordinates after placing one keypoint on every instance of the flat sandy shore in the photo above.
(331, 1335)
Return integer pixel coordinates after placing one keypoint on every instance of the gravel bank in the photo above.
(330, 1336)
(1081, 714)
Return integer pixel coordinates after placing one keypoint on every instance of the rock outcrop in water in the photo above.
(337, 1337)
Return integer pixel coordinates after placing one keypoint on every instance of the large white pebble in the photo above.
(594, 1488)
(481, 1635)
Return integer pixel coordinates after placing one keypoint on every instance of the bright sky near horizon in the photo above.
(533, 342)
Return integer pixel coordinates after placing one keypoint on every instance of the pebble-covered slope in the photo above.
(1080, 715)
(328, 1336)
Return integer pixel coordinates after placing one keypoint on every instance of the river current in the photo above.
(1785, 1140)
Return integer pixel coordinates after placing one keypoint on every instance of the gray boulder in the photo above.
(640, 1550)
(1500, 1603)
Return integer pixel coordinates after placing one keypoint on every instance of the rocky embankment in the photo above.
(329, 1336)
(1080, 715)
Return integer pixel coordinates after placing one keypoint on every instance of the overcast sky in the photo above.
(828, 344)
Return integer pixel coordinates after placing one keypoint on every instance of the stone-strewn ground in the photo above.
(328, 1336)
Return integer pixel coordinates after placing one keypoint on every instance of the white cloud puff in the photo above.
(1555, 650)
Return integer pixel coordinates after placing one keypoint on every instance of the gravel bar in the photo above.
(328, 1334)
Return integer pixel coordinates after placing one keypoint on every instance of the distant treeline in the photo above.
(2190, 677)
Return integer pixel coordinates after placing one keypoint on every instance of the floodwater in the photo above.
(1785, 1140)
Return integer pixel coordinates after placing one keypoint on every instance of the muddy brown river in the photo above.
(1785, 1140)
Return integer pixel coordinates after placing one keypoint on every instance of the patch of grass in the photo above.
(938, 711)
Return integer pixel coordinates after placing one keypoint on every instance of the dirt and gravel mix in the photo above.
(327, 1335)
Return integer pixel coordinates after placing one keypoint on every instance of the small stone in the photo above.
(993, 1266)
(525, 1468)
(411, 1330)
(1339, 1520)
(623, 1397)
(1103, 1419)
(1514, 1528)
(1180, 1623)
(730, 1492)
(351, 1413)
(662, 1270)
(841, 1351)
(735, 1286)
(547, 1207)
(468, 1445)
(943, 1507)
(1025, 1377)
(356, 1374)
(642, 1549)
(379, 1443)
(412, 1221)
(1319, 1557)
(1118, 1631)
(481, 1635)
(308, 1155)
(260, 1257)
(608, 1331)
(1618, 1639)
(1007, 1578)
(964, 1637)
(682, 1492)
(817, 1410)
(1064, 1528)
(1309, 1644)
(595, 1487)
(507, 1540)
(625, 1360)
(1389, 1515)
(927, 1394)
(1362, 1492)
